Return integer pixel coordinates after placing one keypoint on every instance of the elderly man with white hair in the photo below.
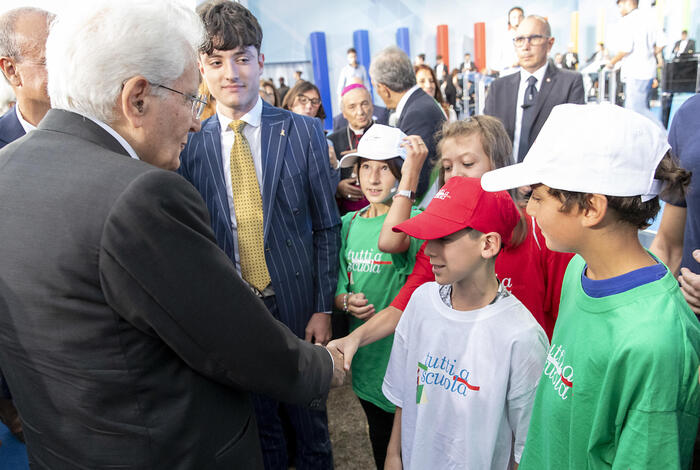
(126, 335)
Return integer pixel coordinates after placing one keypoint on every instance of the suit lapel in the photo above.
(511, 96)
(209, 138)
(10, 127)
(274, 132)
(548, 83)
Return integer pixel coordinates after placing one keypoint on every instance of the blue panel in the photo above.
(402, 40)
(360, 41)
(319, 60)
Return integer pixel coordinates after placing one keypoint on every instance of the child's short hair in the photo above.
(632, 209)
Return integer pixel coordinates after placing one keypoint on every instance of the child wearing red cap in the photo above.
(620, 386)
(467, 355)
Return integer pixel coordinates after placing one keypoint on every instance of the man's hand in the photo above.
(318, 330)
(359, 307)
(690, 285)
(333, 160)
(347, 346)
(347, 189)
(338, 370)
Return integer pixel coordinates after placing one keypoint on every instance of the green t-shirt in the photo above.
(620, 386)
(380, 276)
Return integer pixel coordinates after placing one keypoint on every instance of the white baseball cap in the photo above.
(378, 143)
(590, 148)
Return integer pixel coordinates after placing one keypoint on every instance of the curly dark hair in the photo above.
(229, 25)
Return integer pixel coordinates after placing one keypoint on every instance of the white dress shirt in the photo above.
(129, 149)
(524, 75)
(251, 131)
(25, 125)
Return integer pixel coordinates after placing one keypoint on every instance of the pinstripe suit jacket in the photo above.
(301, 222)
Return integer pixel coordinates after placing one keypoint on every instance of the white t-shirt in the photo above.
(637, 36)
(465, 381)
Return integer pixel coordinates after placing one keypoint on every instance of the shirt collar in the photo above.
(129, 149)
(404, 98)
(538, 74)
(251, 118)
(25, 125)
(361, 131)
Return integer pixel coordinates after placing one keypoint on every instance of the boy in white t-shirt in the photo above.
(467, 355)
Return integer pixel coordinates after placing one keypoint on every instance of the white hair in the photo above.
(91, 52)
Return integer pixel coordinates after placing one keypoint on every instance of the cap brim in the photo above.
(509, 177)
(349, 160)
(427, 226)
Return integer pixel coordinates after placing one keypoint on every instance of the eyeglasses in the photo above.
(199, 102)
(303, 100)
(533, 39)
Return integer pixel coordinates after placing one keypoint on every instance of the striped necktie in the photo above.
(248, 206)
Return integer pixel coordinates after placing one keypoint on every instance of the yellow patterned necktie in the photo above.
(248, 206)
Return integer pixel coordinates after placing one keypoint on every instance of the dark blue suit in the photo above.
(10, 130)
(301, 238)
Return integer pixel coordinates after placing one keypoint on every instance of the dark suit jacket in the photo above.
(126, 334)
(10, 128)
(422, 116)
(301, 222)
(468, 67)
(689, 48)
(558, 87)
(380, 116)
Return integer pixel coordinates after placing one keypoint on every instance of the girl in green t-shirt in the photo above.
(369, 279)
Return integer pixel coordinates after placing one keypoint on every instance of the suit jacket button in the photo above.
(289, 243)
(297, 274)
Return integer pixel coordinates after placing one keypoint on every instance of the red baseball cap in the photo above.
(462, 203)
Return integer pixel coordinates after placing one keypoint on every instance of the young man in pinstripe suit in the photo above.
(282, 234)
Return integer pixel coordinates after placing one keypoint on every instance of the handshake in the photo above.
(342, 350)
(339, 371)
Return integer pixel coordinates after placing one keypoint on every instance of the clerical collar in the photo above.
(361, 131)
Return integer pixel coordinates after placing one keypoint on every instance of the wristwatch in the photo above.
(406, 193)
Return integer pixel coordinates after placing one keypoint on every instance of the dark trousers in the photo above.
(313, 442)
(380, 423)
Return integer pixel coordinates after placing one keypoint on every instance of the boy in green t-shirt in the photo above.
(620, 385)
